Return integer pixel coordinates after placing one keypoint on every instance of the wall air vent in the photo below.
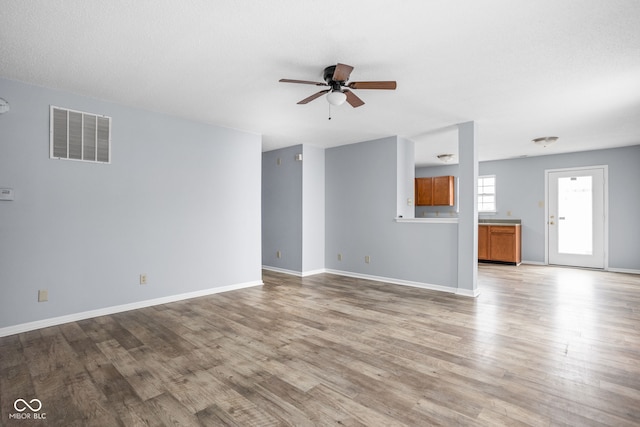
(75, 135)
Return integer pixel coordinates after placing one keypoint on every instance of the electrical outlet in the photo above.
(43, 295)
(339, 257)
(278, 254)
(367, 259)
(143, 279)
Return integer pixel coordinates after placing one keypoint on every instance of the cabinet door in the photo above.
(483, 242)
(443, 191)
(502, 244)
(424, 191)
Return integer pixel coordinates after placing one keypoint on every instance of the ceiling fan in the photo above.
(336, 77)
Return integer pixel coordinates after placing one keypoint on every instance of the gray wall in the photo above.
(282, 209)
(293, 209)
(405, 178)
(180, 202)
(361, 204)
(520, 190)
(313, 209)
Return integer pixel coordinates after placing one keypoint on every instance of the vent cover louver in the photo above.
(76, 135)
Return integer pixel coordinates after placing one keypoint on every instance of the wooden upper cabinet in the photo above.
(443, 191)
(424, 191)
(435, 191)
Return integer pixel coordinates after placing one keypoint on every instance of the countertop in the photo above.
(496, 221)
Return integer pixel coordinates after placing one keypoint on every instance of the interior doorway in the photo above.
(576, 216)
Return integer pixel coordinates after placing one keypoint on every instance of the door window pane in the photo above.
(575, 207)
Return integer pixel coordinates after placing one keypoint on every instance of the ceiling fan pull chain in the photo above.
(329, 111)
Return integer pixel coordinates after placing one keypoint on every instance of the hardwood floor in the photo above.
(540, 346)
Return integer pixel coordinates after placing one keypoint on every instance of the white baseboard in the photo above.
(533, 262)
(292, 272)
(468, 293)
(282, 270)
(45, 323)
(313, 272)
(429, 286)
(623, 270)
(610, 269)
(461, 292)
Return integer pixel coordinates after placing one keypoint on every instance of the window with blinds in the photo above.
(76, 135)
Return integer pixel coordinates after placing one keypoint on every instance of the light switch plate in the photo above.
(6, 194)
(4, 106)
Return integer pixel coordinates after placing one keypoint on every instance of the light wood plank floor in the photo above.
(540, 346)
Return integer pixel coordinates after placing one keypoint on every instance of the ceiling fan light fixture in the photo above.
(545, 141)
(336, 97)
(446, 158)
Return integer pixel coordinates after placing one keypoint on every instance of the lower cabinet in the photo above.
(499, 243)
(483, 242)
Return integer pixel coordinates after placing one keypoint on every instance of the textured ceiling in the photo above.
(520, 69)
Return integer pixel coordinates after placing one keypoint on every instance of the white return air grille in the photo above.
(80, 136)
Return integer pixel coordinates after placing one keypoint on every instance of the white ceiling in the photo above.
(520, 68)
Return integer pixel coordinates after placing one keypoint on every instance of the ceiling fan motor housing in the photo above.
(328, 74)
(328, 77)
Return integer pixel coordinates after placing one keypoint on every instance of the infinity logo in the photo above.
(26, 405)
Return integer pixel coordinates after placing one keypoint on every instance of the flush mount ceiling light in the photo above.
(545, 141)
(445, 157)
(336, 97)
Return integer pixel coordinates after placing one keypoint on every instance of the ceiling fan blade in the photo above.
(353, 99)
(314, 96)
(342, 72)
(391, 85)
(306, 82)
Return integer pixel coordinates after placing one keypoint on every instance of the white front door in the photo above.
(576, 217)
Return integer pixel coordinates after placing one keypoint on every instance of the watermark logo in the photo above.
(34, 406)
(21, 405)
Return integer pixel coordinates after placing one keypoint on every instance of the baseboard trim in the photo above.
(468, 293)
(421, 285)
(623, 270)
(282, 270)
(313, 272)
(533, 262)
(294, 273)
(54, 321)
(610, 269)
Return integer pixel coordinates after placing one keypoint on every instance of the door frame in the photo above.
(605, 201)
